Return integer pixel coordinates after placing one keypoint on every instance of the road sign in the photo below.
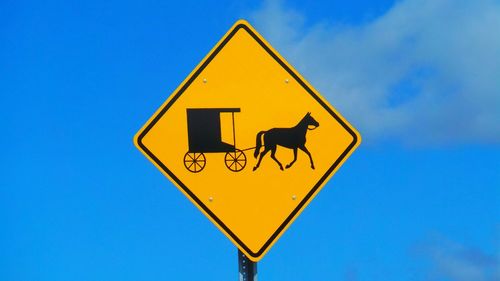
(247, 140)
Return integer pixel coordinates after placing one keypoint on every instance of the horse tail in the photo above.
(258, 144)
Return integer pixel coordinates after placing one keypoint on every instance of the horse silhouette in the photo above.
(292, 138)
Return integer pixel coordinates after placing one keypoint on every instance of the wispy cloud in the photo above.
(425, 72)
(453, 261)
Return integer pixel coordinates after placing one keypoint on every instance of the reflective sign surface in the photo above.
(247, 140)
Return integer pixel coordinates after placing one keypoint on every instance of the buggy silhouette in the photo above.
(204, 136)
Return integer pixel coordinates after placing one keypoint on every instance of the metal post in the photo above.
(247, 268)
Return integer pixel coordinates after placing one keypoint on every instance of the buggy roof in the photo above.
(219, 110)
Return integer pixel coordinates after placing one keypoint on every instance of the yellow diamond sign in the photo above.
(247, 140)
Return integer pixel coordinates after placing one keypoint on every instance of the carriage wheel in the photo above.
(236, 160)
(194, 162)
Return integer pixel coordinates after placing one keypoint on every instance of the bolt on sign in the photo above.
(248, 140)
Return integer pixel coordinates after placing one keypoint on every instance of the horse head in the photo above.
(310, 121)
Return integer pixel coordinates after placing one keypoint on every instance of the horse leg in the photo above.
(273, 151)
(266, 150)
(303, 148)
(294, 158)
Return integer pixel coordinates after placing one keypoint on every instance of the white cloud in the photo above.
(425, 72)
(453, 261)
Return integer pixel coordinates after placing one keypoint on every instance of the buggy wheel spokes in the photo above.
(235, 160)
(194, 161)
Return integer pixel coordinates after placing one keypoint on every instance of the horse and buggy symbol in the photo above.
(204, 136)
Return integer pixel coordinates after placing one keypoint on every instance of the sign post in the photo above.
(247, 268)
(248, 141)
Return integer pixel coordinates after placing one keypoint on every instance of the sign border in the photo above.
(242, 24)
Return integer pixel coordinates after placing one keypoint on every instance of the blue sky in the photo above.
(419, 200)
